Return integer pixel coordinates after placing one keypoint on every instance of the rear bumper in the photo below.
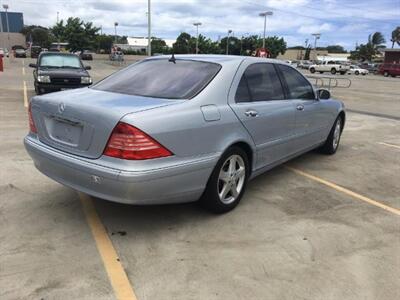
(175, 184)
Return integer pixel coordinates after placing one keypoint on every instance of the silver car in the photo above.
(181, 129)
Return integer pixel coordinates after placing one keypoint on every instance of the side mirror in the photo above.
(33, 65)
(323, 94)
(88, 67)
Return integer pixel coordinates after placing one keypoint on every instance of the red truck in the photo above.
(389, 69)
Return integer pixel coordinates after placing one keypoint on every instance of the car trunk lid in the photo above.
(80, 121)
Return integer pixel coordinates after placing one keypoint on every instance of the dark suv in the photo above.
(56, 71)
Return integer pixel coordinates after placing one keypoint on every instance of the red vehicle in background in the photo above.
(389, 69)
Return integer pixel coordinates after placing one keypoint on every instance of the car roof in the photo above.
(219, 58)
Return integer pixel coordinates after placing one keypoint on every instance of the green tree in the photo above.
(40, 36)
(104, 42)
(369, 50)
(335, 49)
(275, 45)
(77, 33)
(182, 44)
(234, 45)
(395, 36)
(159, 46)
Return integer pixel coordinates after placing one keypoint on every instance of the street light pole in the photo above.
(317, 37)
(197, 24)
(148, 28)
(5, 6)
(115, 32)
(227, 42)
(265, 14)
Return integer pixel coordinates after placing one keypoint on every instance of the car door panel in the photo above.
(310, 114)
(269, 119)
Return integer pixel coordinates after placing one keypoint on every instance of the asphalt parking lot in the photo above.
(319, 227)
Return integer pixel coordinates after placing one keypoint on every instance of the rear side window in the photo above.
(160, 78)
(260, 82)
(298, 86)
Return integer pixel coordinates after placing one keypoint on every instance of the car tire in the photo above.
(386, 74)
(333, 71)
(357, 73)
(227, 182)
(321, 72)
(312, 70)
(332, 142)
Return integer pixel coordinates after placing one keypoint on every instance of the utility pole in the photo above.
(197, 24)
(5, 6)
(265, 14)
(316, 37)
(148, 28)
(227, 42)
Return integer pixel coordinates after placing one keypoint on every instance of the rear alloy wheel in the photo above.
(357, 73)
(312, 70)
(386, 74)
(332, 142)
(333, 71)
(227, 182)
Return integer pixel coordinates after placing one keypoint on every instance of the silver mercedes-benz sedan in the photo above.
(181, 128)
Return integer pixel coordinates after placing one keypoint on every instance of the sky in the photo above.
(339, 22)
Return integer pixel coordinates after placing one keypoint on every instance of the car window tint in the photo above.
(161, 78)
(242, 92)
(263, 82)
(298, 86)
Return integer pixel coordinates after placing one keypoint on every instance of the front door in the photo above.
(311, 120)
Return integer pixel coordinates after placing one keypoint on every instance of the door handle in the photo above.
(251, 113)
(300, 107)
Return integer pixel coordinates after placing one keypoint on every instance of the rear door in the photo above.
(311, 117)
(259, 102)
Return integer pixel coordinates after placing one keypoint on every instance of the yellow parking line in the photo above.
(390, 145)
(345, 191)
(116, 273)
(25, 95)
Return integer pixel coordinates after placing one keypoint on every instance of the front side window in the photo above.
(60, 61)
(161, 78)
(260, 82)
(298, 86)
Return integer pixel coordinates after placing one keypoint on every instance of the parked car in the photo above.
(305, 64)
(2, 52)
(55, 71)
(86, 55)
(356, 70)
(389, 70)
(20, 53)
(329, 66)
(208, 125)
(35, 51)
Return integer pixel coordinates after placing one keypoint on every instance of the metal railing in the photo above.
(328, 82)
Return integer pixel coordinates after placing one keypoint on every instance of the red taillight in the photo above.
(32, 126)
(128, 142)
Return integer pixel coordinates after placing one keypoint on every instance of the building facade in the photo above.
(11, 23)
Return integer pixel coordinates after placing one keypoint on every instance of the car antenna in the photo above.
(172, 59)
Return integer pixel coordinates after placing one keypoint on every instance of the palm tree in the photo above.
(376, 40)
(396, 36)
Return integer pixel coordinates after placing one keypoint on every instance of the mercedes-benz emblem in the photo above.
(61, 107)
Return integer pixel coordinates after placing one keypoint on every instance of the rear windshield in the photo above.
(60, 61)
(161, 78)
